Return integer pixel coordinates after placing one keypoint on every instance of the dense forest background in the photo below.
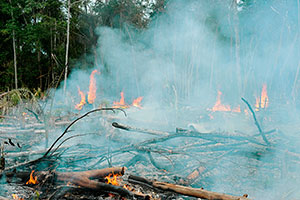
(35, 49)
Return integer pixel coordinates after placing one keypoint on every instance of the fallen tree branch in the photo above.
(185, 133)
(86, 114)
(141, 130)
(256, 122)
(187, 191)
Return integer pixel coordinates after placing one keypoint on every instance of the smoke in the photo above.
(193, 50)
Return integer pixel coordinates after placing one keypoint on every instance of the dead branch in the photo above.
(86, 114)
(187, 191)
(140, 130)
(94, 174)
(256, 122)
(27, 153)
(34, 114)
(185, 133)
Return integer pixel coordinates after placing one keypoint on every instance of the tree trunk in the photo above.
(15, 59)
(54, 48)
(237, 47)
(14, 49)
(67, 47)
(39, 64)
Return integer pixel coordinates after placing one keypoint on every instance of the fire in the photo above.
(16, 197)
(225, 108)
(92, 87)
(136, 102)
(82, 102)
(121, 103)
(112, 180)
(32, 180)
(263, 100)
(219, 106)
(127, 187)
(91, 94)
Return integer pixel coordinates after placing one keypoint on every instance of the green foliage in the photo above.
(40, 32)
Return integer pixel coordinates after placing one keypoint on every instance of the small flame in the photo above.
(82, 102)
(263, 100)
(32, 180)
(218, 105)
(16, 197)
(136, 102)
(121, 103)
(264, 97)
(92, 87)
(112, 180)
(127, 187)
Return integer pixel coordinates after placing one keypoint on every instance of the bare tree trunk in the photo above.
(67, 47)
(54, 49)
(15, 59)
(15, 52)
(39, 65)
(237, 47)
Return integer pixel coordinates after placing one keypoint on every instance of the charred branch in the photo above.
(86, 180)
(187, 191)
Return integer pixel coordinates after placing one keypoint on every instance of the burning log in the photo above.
(82, 180)
(187, 191)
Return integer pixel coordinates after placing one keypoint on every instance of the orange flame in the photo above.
(32, 180)
(219, 106)
(82, 102)
(225, 108)
(113, 180)
(92, 87)
(16, 197)
(127, 187)
(121, 103)
(263, 100)
(136, 102)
